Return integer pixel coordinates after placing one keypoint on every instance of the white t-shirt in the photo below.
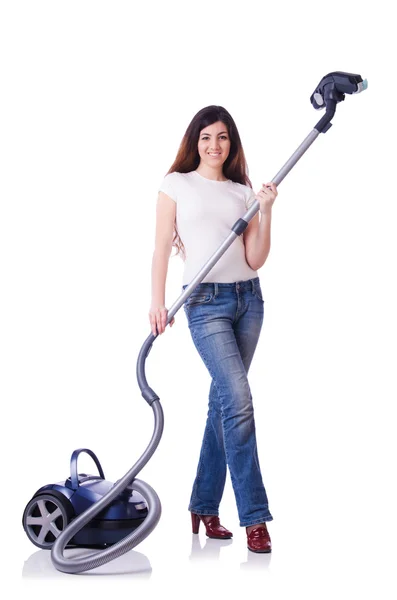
(206, 211)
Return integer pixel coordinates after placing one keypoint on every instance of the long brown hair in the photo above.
(188, 159)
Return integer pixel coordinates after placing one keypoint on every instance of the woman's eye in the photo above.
(222, 136)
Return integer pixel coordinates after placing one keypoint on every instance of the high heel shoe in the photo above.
(212, 525)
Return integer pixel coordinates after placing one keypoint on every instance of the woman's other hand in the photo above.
(266, 197)
(158, 319)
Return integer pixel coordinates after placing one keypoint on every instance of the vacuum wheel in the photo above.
(44, 518)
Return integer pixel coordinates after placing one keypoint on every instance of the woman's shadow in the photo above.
(212, 548)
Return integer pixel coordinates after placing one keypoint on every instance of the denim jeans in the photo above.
(225, 320)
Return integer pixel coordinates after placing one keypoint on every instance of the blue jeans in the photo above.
(225, 320)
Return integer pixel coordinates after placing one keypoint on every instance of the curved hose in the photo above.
(77, 565)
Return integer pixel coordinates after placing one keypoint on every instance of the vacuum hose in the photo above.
(96, 559)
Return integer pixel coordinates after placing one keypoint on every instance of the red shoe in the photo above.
(258, 540)
(213, 528)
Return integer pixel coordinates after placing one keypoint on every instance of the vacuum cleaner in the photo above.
(112, 518)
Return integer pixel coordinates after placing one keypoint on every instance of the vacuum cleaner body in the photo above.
(54, 506)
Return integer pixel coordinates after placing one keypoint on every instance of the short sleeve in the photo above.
(249, 198)
(168, 188)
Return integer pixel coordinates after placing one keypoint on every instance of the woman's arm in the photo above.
(257, 234)
(257, 240)
(165, 219)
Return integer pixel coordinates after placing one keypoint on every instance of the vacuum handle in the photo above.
(74, 478)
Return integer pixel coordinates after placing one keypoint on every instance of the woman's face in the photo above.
(214, 144)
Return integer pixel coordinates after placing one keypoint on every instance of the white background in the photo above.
(96, 97)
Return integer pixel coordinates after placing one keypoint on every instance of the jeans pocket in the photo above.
(258, 293)
(200, 298)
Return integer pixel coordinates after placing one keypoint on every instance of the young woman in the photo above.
(204, 193)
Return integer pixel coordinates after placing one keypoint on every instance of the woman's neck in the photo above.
(214, 174)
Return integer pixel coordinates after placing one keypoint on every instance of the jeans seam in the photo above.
(257, 521)
(255, 293)
(204, 512)
(199, 468)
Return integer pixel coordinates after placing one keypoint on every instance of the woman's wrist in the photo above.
(157, 303)
(267, 212)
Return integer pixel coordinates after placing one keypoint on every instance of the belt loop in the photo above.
(215, 290)
(252, 286)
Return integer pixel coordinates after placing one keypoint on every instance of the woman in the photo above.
(204, 193)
